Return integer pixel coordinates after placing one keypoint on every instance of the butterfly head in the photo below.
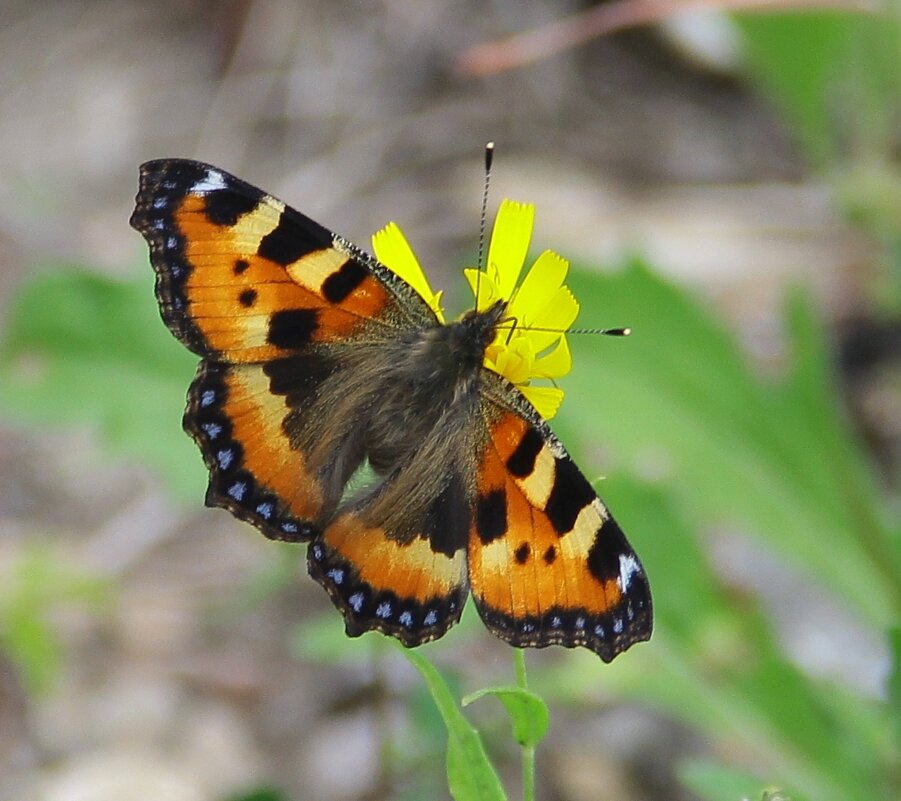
(480, 326)
(528, 316)
(465, 342)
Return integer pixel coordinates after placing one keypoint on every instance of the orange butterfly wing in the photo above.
(254, 287)
(269, 299)
(547, 563)
(412, 587)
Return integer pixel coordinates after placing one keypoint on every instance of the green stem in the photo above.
(528, 751)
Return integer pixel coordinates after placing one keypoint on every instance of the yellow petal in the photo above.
(555, 364)
(546, 400)
(555, 317)
(544, 278)
(509, 244)
(514, 361)
(488, 291)
(392, 249)
(559, 312)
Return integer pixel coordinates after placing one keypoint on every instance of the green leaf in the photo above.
(81, 348)
(470, 774)
(528, 712)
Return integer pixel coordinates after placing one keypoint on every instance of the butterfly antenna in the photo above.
(489, 158)
(610, 332)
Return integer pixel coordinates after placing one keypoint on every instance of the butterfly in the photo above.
(320, 367)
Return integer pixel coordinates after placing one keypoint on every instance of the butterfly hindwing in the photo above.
(412, 586)
(547, 562)
(237, 414)
(395, 559)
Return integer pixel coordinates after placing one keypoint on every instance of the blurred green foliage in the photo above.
(833, 75)
(836, 78)
(39, 585)
(80, 348)
(261, 794)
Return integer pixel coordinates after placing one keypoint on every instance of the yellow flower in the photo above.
(539, 308)
(530, 343)
(392, 249)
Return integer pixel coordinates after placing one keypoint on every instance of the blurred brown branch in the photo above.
(526, 48)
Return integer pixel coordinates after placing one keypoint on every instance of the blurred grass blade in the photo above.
(714, 782)
(811, 63)
(41, 581)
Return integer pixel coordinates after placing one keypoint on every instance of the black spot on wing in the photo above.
(550, 555)
(609, 544)
(447, 519)
(522, 461)
(343, 281)
(522, 553)
(570, 494)
(225, 206)
(248, 297)
(298, 377)
(293, 237)
(491, 516)
(292, 329)
(241, 265)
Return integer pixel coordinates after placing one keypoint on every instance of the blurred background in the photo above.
(725, 181)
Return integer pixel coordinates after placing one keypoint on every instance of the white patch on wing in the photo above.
(628, 567)
(212, 181)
